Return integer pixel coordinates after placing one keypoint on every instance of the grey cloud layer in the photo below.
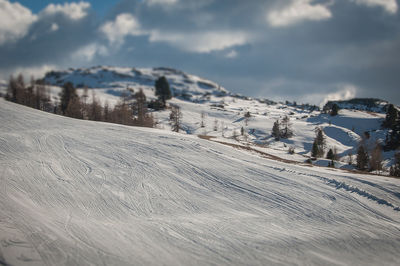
(303, 57)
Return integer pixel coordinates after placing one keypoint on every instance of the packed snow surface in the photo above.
(77, 192)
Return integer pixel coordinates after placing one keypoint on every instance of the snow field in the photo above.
(81, 192)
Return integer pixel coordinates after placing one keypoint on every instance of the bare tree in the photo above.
(74, 108)
(203, 116)
(175, 118)
(106, 112)
(247, 116)
(350, 158)
(286, 128)
(94, 109)
(215, 125)
(375, 159)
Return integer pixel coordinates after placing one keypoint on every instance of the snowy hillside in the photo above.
(117, 77)
(81, 192)
(224, 112)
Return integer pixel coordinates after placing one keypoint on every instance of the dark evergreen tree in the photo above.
(162, 90)
(391, 117)
(392, 122)
(315, 151)
(276, 132)
(330, 155)
(334, 110)
(395, 169)
(67, 94)
(320, 140)
(393, 142)
(362, 158)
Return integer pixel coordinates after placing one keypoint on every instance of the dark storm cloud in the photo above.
(334, 47)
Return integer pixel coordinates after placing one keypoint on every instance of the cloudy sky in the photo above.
(303, 50)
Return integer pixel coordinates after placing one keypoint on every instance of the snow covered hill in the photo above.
(117, 77)
(224, 112)
(81, 193)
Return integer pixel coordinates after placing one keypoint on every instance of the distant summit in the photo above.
(117, 77)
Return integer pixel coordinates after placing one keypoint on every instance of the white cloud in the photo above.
(15, 21)
(161, 2)
(231, 54)
(345, 92)
(298, 11)
(88, 52)
(390, 6)
(203, 42)
(74, 11)
(124, 25)
(54, 27)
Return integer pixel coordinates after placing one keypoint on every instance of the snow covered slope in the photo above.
(82, 193)
(224, 112)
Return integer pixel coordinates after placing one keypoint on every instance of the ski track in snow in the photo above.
(79, 192)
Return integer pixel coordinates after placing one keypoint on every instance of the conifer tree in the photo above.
(67, 94)
(362, 158)
(314, 150)
(395, 168)
(334, 110)
(162, 90)
(320, 140)
(391, 117)
(276, 132)
(330, 155)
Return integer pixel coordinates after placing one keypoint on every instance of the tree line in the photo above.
(35, 95)
(132, 109)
